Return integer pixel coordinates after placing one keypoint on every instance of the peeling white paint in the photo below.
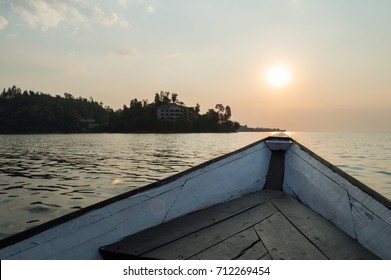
(319, 192)
(80, 238)
(305, 177)
(338, 200)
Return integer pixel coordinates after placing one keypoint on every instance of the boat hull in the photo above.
(79, 237)
(341, 199)
(350, 205)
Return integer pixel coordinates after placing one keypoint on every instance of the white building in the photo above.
(171, 112)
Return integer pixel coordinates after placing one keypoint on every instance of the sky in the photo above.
(338, 53)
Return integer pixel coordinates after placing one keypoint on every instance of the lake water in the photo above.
(45, 176)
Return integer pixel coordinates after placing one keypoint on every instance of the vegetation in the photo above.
(245, 128)
(37, 112)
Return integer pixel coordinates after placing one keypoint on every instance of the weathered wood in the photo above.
(371, 231)
(275, 175)
(288, 229)
(203, 239)
(229, 248)
(284, 241)
(255, 252)
(356, 209)
(79, 234)
(333, 242)
(160, 235)
(266, 257)
(305, 178)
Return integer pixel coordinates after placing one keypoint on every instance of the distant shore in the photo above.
(245, 128)
(29, 112)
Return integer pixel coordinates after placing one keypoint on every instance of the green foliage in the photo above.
(37, 112)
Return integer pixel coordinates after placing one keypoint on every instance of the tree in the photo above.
(157, 99)
(220, 110)
(134, 103)
(165, 97)
(174, 98)
(68, 96)
(37, 112)
(227, 113)
(197, 109)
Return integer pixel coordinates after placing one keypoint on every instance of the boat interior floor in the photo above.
(263, 225)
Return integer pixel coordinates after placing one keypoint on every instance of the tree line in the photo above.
(38, 112)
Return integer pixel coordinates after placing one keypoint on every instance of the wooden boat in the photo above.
(273, 199)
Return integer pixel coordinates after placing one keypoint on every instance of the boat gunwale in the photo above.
(355, 182)
(10, 240)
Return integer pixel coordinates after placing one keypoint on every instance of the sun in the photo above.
(278, 75)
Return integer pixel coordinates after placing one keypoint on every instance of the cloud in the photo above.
(109, 20)
(48, 14)
(100, 17)
(127, 53)
(123, 3)
(3, 22)
(150, 9)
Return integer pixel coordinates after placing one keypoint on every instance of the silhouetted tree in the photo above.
(165, 97)
(227, 113)
(37, 112)
(68, 96)
(174, 98)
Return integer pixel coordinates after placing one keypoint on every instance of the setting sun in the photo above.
(278, 76)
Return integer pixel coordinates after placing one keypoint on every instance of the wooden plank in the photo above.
(199, 234)
(284, 241)
(255, 252)
(275, 175)
(157, 236)
(266, 257)
(229, 248)
(309, 180)
(371, 231)
(203, 239)
(333, 242)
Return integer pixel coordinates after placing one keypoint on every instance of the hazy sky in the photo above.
(215, 51)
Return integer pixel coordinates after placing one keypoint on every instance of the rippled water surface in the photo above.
(46, 176)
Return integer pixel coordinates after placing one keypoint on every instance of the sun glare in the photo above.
(278, 76)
